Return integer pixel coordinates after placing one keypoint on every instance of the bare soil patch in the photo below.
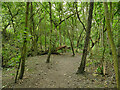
(59, 73)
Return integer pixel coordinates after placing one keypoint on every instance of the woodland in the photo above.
(61, 45)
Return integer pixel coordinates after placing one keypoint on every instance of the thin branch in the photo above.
(61, 20)
(80, 20)
(79, 17)
(11, 17)
(9, 21)
(66, 18)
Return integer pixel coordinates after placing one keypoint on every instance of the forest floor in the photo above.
(59, 73)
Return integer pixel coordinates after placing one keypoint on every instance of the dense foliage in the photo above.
(65, 23)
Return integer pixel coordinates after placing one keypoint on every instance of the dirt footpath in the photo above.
(59, 73)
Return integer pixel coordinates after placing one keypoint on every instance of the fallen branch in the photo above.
(54, 51)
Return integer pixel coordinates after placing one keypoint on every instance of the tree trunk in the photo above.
(24, 51)
(81, 68)
(104, 48)
(119, 43)
(119, 50)
(60, 18)
(50, 46)
(34, 41)
(40, 38)
(103, 62)
(113, 48)
(119, 47)
(71, 43)
(45, 40)
(72, 35)
(60, 37)
(78, 41)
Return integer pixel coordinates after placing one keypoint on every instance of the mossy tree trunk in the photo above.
(81, 68)
(119, 49)
(50, 42)
(24, 48)
(113, 47)
(119, 42)
(119, 39)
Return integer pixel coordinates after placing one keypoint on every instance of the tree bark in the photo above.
(45, 36)
(78, 41)
(60, 36)
(81, 68)
(34, 41)
(50, 46)
(24, 51)
(119, 46)
(113, 47)
(71, 43)
(104, 48)
(119, 51)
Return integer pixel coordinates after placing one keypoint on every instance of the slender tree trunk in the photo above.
(16, 77)
(40, 39)
(40, 34)
(81, 68)
(50, 46)
(104, 48)
(103, 62)
(64, 34)
(24, 51)
(45, 41)
(72, 33)
(119, 48)
(56, 34)
(45, 35)
(34, 42)
(113, 48)
(71, 43)
(64, 37)
(60, 37)
(64, 31)
(60, 17)
(78, 41)
(119, 42)
(1, 47)
(31, 27)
